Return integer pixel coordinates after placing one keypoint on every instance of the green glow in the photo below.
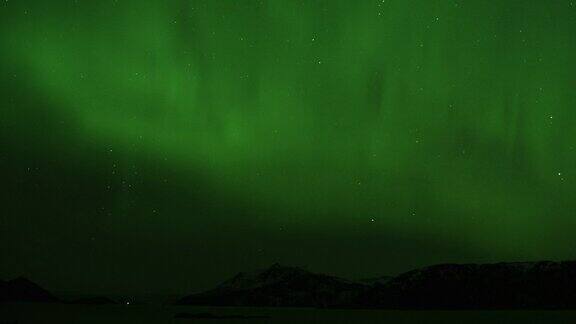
(444, 121)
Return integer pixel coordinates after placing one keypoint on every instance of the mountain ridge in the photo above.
(277, 286)
(23, 290)
(503, 285)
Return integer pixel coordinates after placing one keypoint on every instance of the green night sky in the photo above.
(162, 146)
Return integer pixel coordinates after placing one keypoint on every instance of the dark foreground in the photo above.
(62, 313)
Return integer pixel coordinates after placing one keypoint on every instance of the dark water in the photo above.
(22, 313)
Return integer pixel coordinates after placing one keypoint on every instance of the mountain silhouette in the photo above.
(278, 286)
(517, 285)
(521, 285)
(24, 290)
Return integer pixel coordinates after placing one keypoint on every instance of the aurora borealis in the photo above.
(164, 145)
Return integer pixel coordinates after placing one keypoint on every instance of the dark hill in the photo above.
(24, 290)
(278, 286)
(528, 285)
(520, 285)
